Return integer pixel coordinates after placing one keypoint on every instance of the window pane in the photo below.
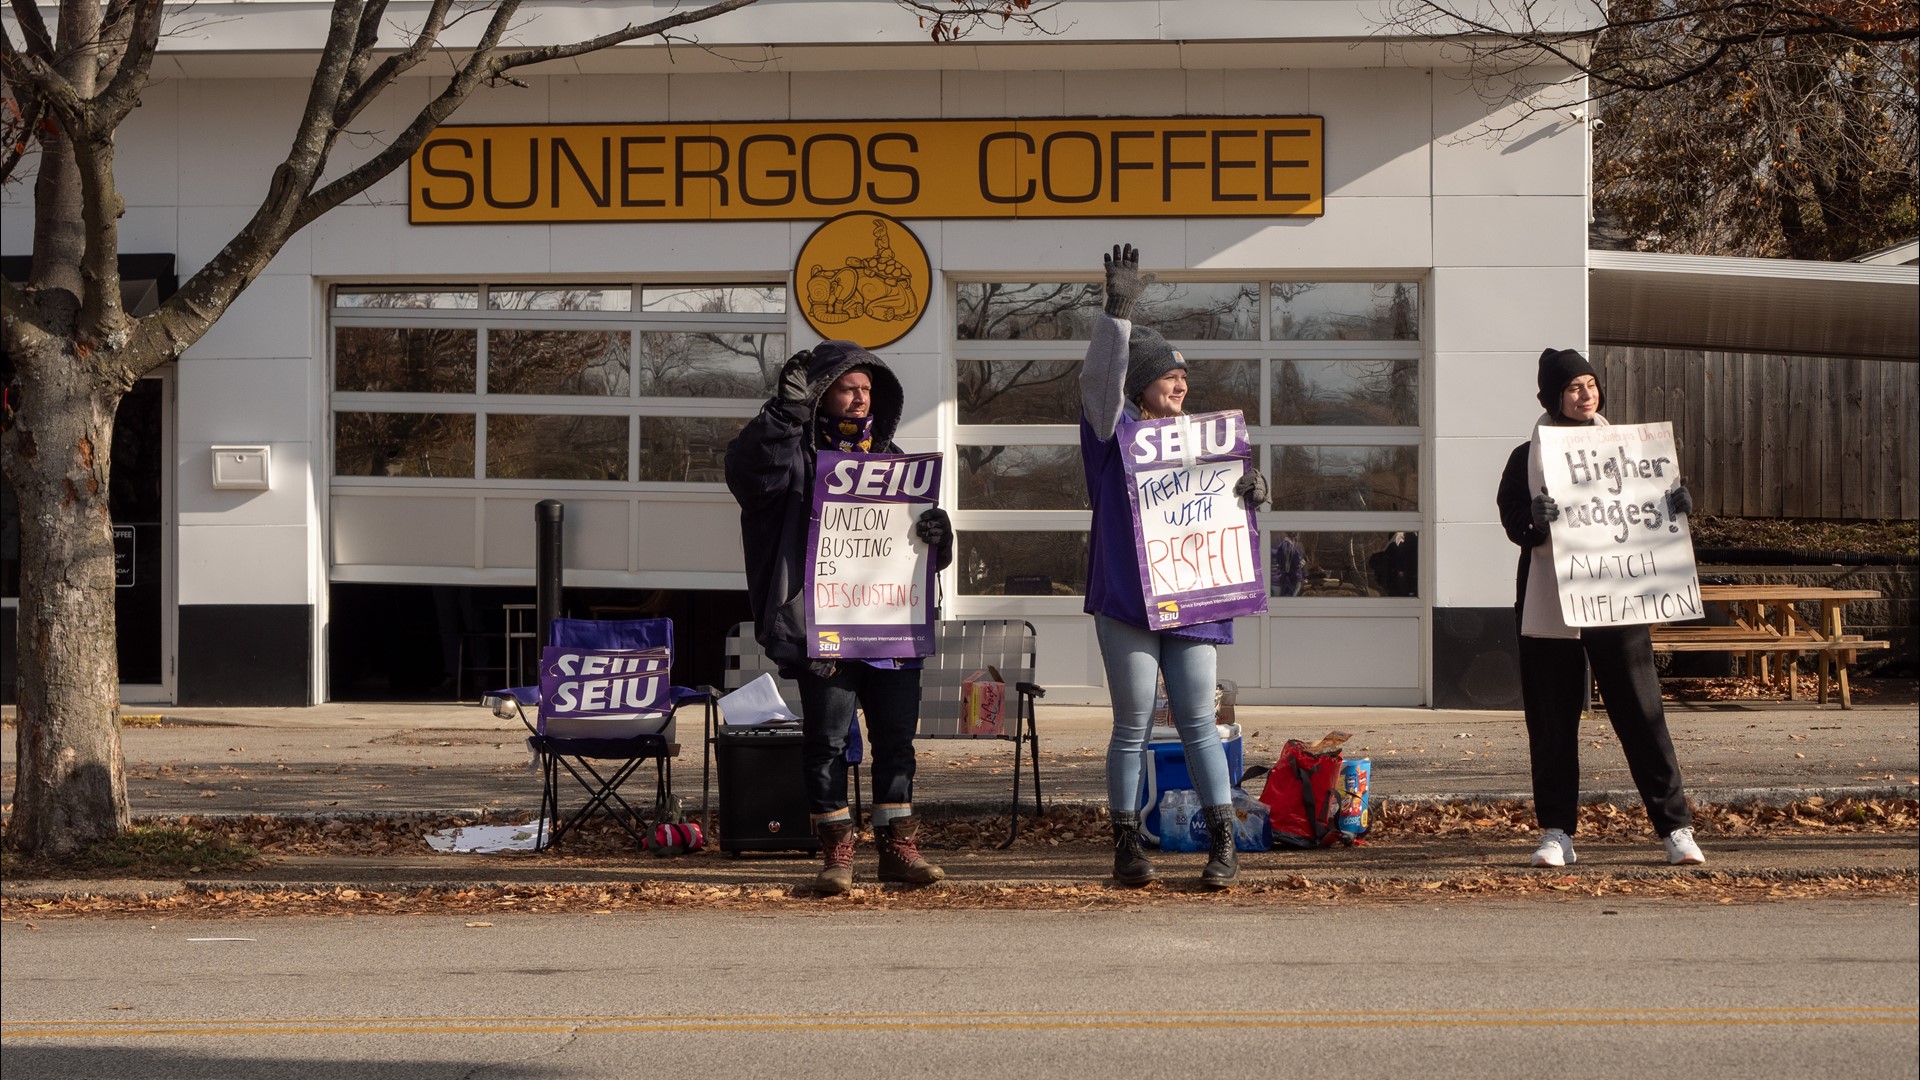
(1021, 478)
(1015, 311)
(1346, 477)
(403, 444)
(569, 298)
(1213, 385)
(1346, 311)
(406, 298)
(560, 447)
(1201, 311)
(374, 359)
(1382, 393)
(1019, 391)
(1023, 563)
(557, 362)
(1344, 564)
(751, 299)
(686, 448)
(709, 364)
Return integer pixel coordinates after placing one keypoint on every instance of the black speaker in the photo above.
(763, 794)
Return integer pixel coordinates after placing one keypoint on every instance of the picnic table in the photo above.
(1767, 619)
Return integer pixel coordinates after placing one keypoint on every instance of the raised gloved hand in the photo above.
(1545, 509)
(935, 528)
(1251, 489)
(791, 391)
(1679, 501)
(1125, 282)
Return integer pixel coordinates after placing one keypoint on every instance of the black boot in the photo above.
(1130, 864)
(1223, 862)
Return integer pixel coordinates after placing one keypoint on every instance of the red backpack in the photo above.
(1303, 794)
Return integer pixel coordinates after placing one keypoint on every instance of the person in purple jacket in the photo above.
(1131, 374)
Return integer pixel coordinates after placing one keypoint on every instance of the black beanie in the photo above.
(1558, 367)
(1149, 357)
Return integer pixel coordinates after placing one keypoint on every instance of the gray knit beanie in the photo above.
(1149, 357)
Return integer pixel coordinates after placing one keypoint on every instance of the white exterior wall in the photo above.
(1494, 230)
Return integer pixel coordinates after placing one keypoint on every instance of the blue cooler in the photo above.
(1166, 769)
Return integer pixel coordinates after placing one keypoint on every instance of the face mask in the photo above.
(849, 435)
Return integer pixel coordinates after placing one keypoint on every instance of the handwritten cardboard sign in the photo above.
(603, 693)
(1198, 545)
(1619, 558)
(869, 578)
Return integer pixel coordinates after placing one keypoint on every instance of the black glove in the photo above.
(791, 392)
(1678, 500)
(935, 528)
(823, 668)
(1125, 282)
(1545, 509)
(1251, 489)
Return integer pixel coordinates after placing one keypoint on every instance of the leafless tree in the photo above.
(70, 84)
(1726, 127)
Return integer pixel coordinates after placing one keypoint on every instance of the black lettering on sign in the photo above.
(462, 175)
(600, 196)
(986, 188)
(880, 166)
(1284, 163)
(1221, 165)
(628, 170)
(787, 175)
(1121, 164)
(1046, 166)
(533, 176)
(1168, 164)
(682, 174)
(807, 169)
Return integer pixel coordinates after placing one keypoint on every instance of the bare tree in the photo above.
(77, 352)
(1725, 127)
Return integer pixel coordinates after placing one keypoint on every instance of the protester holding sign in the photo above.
(1554, 656)
(1132, 375)
(842, 399)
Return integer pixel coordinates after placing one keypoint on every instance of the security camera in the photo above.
(1578, 114)
(1598, 123)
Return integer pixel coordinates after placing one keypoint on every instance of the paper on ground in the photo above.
(758, 702)
(487, 838)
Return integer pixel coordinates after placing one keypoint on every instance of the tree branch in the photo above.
(505, 62)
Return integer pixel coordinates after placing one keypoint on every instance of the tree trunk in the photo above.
(71, 790)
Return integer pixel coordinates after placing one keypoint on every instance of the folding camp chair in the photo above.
(624, 734)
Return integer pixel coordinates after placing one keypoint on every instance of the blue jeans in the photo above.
(1132, 656)
(891, 700)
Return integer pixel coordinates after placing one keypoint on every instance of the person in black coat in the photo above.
(838, 396)
(1554, 657)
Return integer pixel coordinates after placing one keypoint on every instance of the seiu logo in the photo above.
(1214, 437)
(878, 478)
(829, 641)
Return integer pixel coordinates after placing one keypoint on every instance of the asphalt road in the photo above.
(1576, 987)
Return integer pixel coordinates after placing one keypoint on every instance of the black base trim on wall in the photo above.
(245, 654)
(1476, 658)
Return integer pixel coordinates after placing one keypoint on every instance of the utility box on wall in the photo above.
(242, 468)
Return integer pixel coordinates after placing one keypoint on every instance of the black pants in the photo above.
(891, 700)
(1553, 685)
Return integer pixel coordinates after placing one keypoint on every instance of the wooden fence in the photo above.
(1778, 436)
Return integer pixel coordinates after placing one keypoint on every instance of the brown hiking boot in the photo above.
(836, 845)
(900, 858)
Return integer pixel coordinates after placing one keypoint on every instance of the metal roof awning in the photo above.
(1785, 306)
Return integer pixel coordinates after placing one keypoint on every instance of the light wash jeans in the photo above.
(1132, 656)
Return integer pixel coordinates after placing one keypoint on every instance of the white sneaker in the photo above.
(1681, 850)
(1556, 849)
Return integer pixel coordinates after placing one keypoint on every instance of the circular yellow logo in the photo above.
(863, 278)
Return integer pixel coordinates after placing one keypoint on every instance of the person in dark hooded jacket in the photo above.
(838, 396)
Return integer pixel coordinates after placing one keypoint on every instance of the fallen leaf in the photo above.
(472, 924)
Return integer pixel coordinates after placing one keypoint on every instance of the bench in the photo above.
(961, 647)
(1766, 620)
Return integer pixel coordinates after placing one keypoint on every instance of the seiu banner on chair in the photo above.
(869, 578)
(1619, 557)
(1198, 545)
(603, 684)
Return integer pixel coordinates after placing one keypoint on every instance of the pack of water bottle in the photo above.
(1183, 824)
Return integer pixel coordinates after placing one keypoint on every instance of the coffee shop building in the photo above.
(581, 288)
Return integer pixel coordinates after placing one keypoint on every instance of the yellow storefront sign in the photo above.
(1048, 168)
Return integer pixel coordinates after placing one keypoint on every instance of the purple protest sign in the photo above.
(603, 693)
(1198, 545)
(869, 578)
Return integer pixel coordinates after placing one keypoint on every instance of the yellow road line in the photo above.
(74, 1029)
